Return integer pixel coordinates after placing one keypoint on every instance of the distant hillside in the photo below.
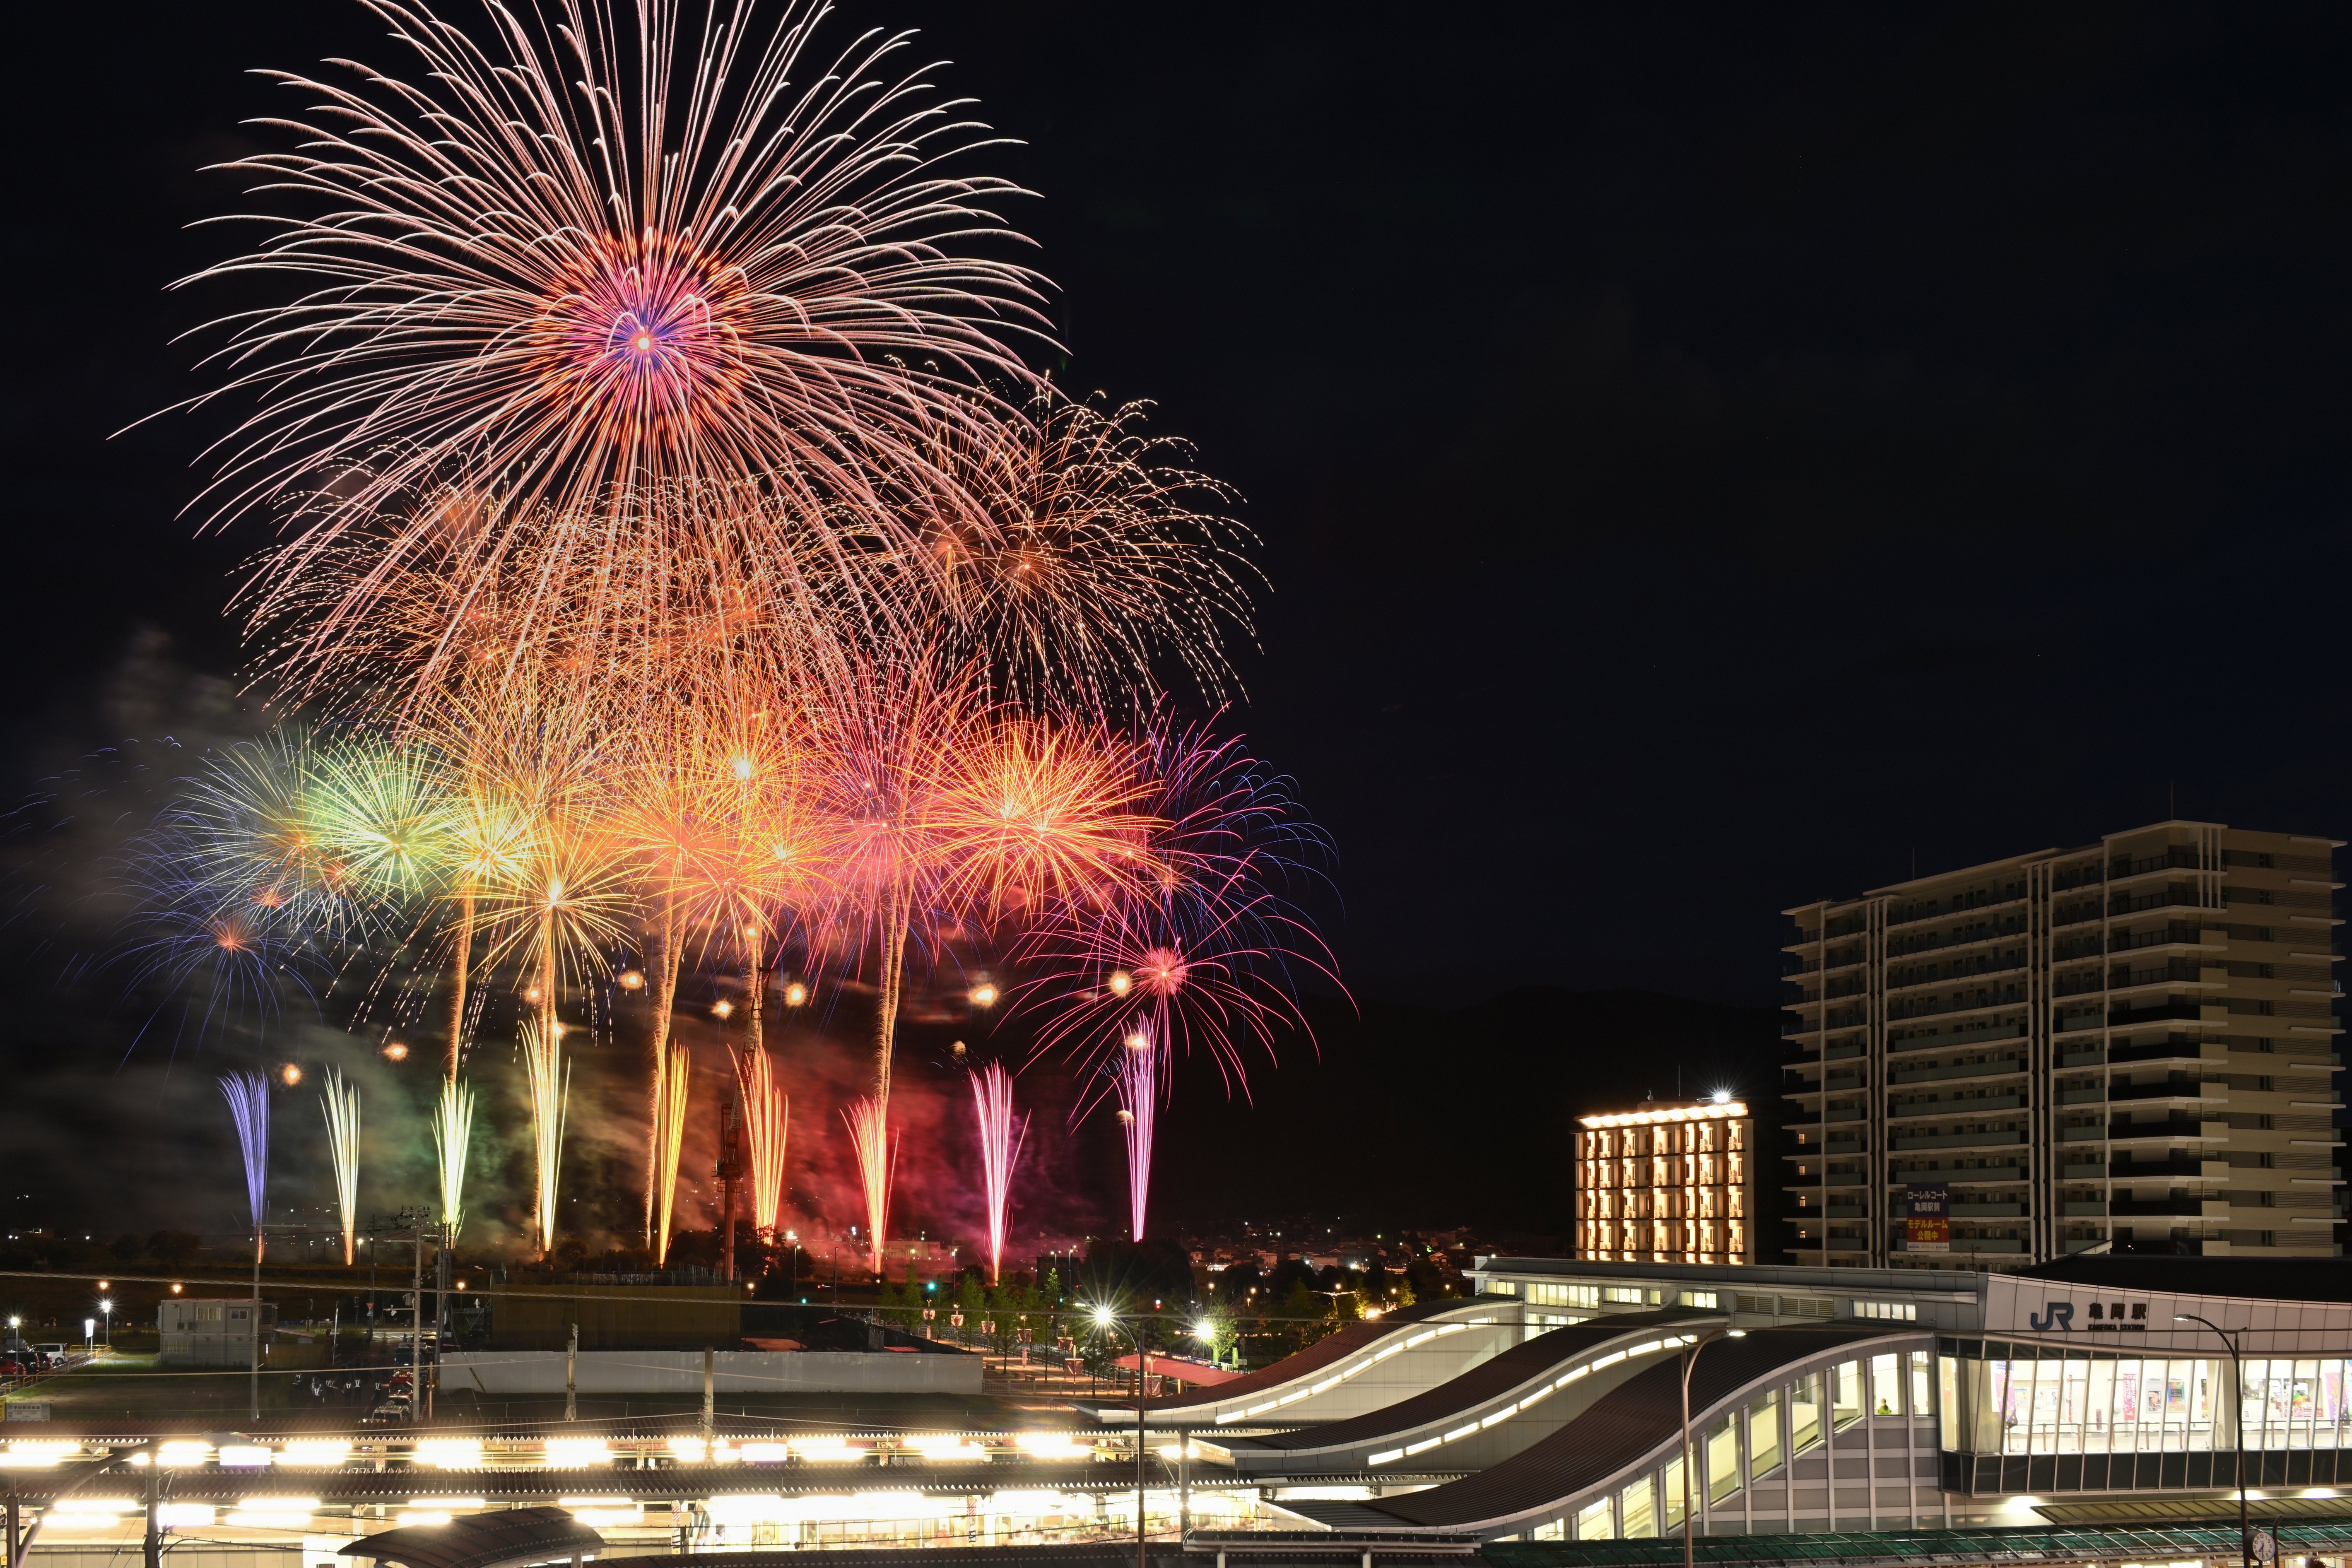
(1423, 1117)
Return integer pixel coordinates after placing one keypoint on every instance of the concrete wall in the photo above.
(735, 1371)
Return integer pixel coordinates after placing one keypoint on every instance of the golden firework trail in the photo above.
(668, 1141)
(551, 1091)
(340, 1103)
(877, 1163)
(767, 1122)
(453, 1131)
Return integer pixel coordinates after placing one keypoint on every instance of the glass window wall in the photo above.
(1764, 1435)
(1805, 1413)
(1847, 1398)
(1639, 1511)
(1722, 1444)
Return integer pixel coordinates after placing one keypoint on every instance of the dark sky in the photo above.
(1704, 456)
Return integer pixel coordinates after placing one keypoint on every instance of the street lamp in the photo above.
(106, 1312)
(2238, 1384)
(1690, 1360)
(1107, 1319)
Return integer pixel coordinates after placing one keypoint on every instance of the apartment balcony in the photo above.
(1839, 1053)
(2162, 1013)
(2176, 857)
(1961, 1139)
(2170, 1050)
(2079, 1208)
(1935, 942)
(1904, 915)
(2009, 1067)
(1985, 1211)
(1942, 1038)
(1982, 1106)
(2081, 1096)
(1979, 1244)
(2011, 997)
(2077, 1022)
(2168, 1208)
(2179, 934)
(2188, 1090)
(2172, 1127)
(1842, 1146)
(2083, 1059)
(2175, 895)
(2081, 1134)
(1947, 975)
(2138, 1170)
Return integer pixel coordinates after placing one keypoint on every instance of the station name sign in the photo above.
(2110, 1317)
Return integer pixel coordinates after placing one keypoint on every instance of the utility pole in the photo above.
(1690, 1360)
(253, 1321)
(2238, 1389)
(709, 1398)
(572, 1376)
(730, 1172)
(416, 1411)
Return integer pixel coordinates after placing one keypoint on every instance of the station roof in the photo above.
(2029, 1543)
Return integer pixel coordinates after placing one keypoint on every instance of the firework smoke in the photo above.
(340, 1104)
(1000, 1151)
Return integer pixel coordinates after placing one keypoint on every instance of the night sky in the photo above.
(1706, 459)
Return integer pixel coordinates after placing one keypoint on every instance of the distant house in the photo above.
(214, 1333)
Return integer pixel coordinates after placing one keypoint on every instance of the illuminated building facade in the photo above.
(1671, 1181)
(2128, 1044)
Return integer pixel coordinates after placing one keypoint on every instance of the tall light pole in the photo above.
(1690, 1360)
(1106, 1319)
(2238, 1386)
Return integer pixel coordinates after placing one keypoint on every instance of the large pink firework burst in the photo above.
(591, 251)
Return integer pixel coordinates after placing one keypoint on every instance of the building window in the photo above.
(1502, 1287)
(1629, 1295)
(1705, 1298)
(1540, 1294)
(1889, 1311)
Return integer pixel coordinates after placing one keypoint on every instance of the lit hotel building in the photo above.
(1672, 1182)
(2130, 1044)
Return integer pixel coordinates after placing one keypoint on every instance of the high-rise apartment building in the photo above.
(1668, 1182)
(2130, 1044)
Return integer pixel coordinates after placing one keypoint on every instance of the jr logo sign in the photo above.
(2053, 1315)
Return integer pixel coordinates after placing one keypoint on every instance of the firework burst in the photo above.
(605, 253)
